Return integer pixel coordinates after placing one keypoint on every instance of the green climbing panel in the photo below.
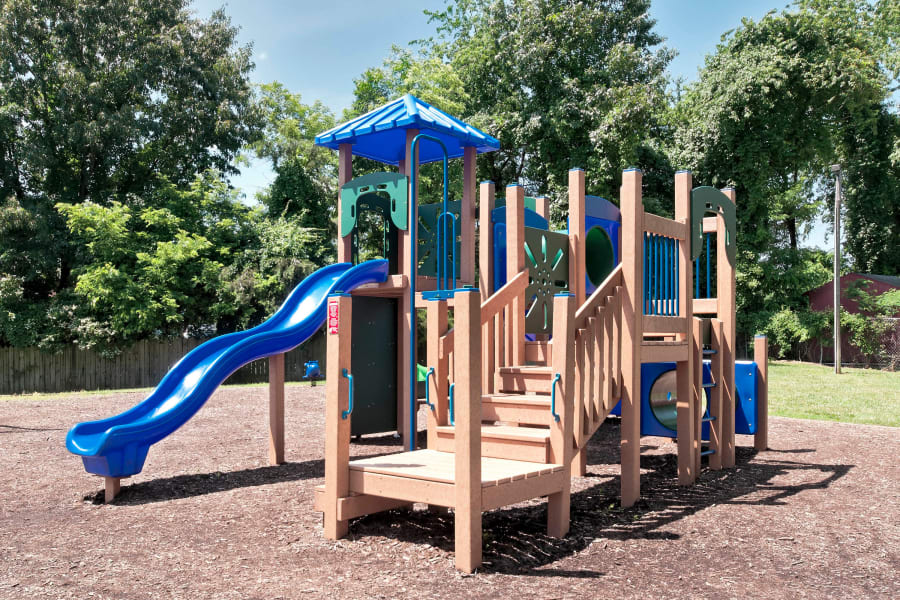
(705, 201)
(391, 186)
(547, 260)
(427, 234)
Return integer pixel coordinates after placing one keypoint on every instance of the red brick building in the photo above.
(822, 299)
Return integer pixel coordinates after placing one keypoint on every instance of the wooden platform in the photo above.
(428, 476)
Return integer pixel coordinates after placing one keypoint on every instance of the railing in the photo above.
(598, 357)
(666, 274)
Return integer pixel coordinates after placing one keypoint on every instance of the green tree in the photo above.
(101, 102)
(562, 84)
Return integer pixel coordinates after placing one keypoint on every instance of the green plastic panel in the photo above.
(392, 186)
(547, 259)
(708, 200)
(530, 203)
(373, 363)
(427, 234)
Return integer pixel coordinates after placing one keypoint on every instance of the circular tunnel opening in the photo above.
(599, 257)
(664, 400)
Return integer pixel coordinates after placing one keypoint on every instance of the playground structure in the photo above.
(557, 331)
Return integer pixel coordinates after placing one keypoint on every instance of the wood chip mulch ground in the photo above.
(817, 516)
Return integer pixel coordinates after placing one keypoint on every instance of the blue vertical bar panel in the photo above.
(697, 277)
(646, 262)
(677, 279)
(666, 306)
(655, 244)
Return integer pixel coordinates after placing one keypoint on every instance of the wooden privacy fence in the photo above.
(143, 365)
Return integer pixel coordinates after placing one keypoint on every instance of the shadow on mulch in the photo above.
(17, 429)
(515, 539)
(187, 486)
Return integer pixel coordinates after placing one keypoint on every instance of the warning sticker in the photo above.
(334, 316)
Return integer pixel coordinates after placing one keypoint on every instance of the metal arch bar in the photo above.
(349, 411)
(428, 402)
(556, 379)
(413, 269)
(708, 290)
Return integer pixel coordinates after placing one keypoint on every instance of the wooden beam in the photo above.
(598, 296)
(542, 206)
(666, 227)
(725, 290)
(437, 384)
(697, 391)
(761, 358)
(337, 427)
(468, 430)
(345, 174)
(710, 225)
(405, 310)
(576, 235)
(715, 396)
(466, 256)
(485, 239)
(357, 505)
(111, 488)
(632, 333)
(276, 409)
(561, 431)
(515, 264)
(705, 306)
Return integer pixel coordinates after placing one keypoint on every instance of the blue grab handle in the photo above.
(349, 410)
(450, 399)
(428, 402)
(556, 379)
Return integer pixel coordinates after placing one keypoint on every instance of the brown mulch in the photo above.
(816, 516)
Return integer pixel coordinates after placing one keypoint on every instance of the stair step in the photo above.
(538, 352)
(526, 409)
(530, 444)
(526, 379)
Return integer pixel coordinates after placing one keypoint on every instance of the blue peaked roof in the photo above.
(381, 133)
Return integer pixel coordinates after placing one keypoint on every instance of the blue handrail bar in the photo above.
(556, 379)
(450, 402)
(413, 267)
(349, 411)
(428, 402)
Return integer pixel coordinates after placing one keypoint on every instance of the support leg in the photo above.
(276, 409)
(685, 423)
(579, 463)
(558, 506)
(112, 487)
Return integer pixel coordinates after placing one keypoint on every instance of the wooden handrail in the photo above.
(597, 298)
(493, 305)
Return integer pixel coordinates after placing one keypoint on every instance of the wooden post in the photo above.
(406, 316)
(337, 428)
(761, 358)
(688, 405)
(485, 239)
(276, 409)
(437, 383)
(561, 431)
(715, 396)
(486, 273)
(576, 235)
(725, 290)
(696, 350)
(542, 206)
(345, 174)
(111, 487)
(467, 349)
(515, 263)
(632, 333)
(466, 258)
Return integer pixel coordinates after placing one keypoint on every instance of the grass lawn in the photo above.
(811, 391)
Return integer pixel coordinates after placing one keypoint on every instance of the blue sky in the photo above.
(317, 48)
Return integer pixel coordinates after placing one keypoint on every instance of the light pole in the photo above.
(836, 169)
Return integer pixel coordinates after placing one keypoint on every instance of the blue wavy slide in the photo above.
(117, 446)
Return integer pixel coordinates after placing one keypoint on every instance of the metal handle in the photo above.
(556, 379)
(428, 389)
(349, 411)
(452, 419)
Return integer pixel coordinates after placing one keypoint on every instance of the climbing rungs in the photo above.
(709, 352)
(712, 384)
(707, 452)
(707, 419)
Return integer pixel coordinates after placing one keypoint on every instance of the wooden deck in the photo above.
(428, 476)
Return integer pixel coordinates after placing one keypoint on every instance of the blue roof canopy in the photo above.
(381, 133)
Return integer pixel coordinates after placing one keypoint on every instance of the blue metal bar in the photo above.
(654, 277)
(697, 277)
(707, 267)
(349, 411)
(451, 406)
(707, 419)
(706, 386)
(677, 280)
(413, 268)
(707, 452)
(428, 402)
(556, 379)
(668, 304)
(446, 281)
